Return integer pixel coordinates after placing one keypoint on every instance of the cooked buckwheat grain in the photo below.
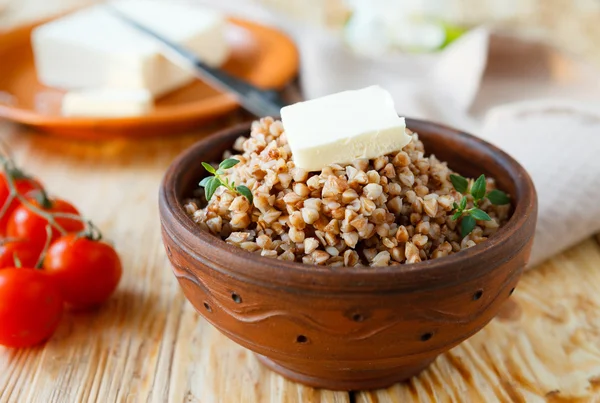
(386, 211)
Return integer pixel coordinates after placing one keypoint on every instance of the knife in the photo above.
(255, 100)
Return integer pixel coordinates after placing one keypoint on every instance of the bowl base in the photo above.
(348, 381)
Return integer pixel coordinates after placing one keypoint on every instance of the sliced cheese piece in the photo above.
(93, 48)
(343, 127)
(107, 103)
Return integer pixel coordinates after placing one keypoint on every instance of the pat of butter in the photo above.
(92, 48)
(107, 103)
(343, 127)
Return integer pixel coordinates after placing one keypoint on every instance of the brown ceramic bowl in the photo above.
(350, 328)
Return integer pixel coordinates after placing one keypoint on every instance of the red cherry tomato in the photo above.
(28, 225)
(23, 186)
(30, 307)
(26, 253)
(87, 272)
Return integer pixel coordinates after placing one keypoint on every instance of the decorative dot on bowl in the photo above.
(357, 317)
(477, 295)
(426, 336)
(207, 307)
(236, 298)
(301, 339)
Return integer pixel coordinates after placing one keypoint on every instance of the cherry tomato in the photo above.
(87, 272)
(26, 224)
(30, 307)
(24, 186)
(26, 253)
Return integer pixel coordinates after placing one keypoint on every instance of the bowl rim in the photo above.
(459, 267)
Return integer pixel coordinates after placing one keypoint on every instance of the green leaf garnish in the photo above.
(208, 167)
(205, 181)
(479, 214)
(212, 183)
(244, 191)
(467, 225)
(228, 163)
(460, 183)
(498, 197)
(211, 186)
(453, 32)
(469, 217)
(478, 188)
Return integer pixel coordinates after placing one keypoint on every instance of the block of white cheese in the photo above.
(342, 127)
(107, 103)
(93, 48)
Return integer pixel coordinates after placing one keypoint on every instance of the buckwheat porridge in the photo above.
(390, 210)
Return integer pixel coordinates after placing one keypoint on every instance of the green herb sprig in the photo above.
(470, 216)
(212, 183)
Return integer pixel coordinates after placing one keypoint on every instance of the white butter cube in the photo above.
(342, 127)
(107, 103)
(93, 48)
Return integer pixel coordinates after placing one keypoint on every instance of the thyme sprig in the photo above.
(478, 192)
(212, 183)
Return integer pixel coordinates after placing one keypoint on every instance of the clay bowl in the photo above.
(350, 328)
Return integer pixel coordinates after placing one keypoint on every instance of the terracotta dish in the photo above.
(261, 55)
(350, 328)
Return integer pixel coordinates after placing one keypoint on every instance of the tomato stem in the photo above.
(40, 262)
(91, 232)
(12, 173)
(9, 199)
(6, 155)
(42, 198)
(14, 194)
(16, 173)
(17, 261)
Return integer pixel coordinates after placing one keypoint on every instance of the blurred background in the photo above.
(571, 25)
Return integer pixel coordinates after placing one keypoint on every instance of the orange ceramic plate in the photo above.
(261, 55)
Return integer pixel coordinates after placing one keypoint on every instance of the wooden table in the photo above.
(148, 344)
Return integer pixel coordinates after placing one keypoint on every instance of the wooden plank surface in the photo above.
(544, 346)
(148, 345)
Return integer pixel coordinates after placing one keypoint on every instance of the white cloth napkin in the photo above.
(475, 85)
(558, 142)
